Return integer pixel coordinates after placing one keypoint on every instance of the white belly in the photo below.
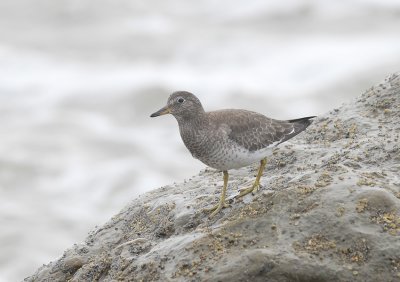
(237, 158)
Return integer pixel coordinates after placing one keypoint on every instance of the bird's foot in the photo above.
(216, 209)
(253, 189)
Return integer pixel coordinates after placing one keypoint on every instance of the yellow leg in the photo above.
(256, 185)
(221, 203)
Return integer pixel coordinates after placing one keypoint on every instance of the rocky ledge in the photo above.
(329, 210)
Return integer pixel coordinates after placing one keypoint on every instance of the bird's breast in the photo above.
(197, 141)
(215, 149)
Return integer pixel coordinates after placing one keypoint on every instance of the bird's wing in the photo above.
(254, 131)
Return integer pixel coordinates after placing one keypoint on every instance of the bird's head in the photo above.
(182, 105)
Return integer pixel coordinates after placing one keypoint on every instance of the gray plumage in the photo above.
(228, 139)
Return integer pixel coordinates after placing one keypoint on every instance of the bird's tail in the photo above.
(305, 120)
(298, 125)
(301, 123)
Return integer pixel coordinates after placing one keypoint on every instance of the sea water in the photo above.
(79, 79)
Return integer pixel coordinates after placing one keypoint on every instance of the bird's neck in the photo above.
(197, 119)
(193, 133)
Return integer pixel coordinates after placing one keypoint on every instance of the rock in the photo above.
(329, 210)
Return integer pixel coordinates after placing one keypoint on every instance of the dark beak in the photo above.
(160, 112)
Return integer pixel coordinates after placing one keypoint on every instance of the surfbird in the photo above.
(229, 139)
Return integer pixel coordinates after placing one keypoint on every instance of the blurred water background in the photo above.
(79, 79)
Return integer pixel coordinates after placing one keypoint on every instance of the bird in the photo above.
(229, 138)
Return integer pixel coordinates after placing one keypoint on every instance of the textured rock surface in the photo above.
(329, 210)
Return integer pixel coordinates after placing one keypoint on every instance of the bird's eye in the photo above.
(181, 100)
